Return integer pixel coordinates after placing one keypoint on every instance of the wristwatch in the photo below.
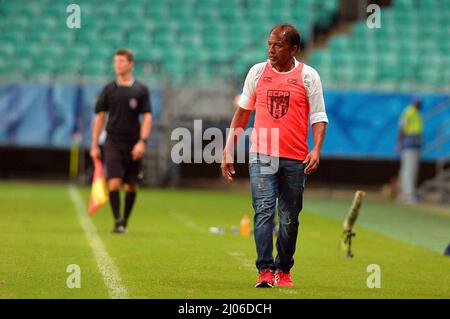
(143, 140)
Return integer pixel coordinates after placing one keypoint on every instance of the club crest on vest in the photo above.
(133, 103)
(277, 103)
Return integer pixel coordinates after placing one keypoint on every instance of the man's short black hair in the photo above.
(291, 33)
(127, 53)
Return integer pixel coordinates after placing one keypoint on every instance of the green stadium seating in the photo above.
(12, 36)
(27, 51)
(200, 37)
(102, 54)
(105, 13)
(91, 38)
(62, 37)
(52, 51)
(21, 66)
(96, 68)
(14, 23)
(77, 52)
(409, 51)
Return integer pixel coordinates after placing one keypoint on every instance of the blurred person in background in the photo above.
(409, 145)
(127, 103)
(285, 94)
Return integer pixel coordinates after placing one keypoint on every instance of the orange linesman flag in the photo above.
(99, 192)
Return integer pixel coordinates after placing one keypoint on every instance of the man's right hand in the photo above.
(239, 122)
(95, 152)
(227, 168)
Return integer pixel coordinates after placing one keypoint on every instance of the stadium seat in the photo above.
(204, 31)
(390, 57)
(92, 68)
(12, 36)
(21, 66)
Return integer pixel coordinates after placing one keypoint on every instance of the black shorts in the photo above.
(118, 160)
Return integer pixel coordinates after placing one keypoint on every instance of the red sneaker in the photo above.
(265, 280)
(283, 279)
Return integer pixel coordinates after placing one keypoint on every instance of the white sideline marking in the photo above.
(108, 269)
(242, 259)
(182, 218)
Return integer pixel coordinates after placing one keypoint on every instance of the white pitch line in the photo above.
(182, 218)
(108, 269)
(242, 259)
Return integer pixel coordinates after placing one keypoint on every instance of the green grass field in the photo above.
(169, 253)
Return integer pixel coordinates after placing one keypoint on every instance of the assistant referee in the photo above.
(127, 103)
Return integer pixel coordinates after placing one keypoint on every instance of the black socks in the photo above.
(114, 200)
(129, 201)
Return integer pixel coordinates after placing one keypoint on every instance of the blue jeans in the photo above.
(275, 179)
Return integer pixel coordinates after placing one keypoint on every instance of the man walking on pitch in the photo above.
(126, 101)
(284, 93)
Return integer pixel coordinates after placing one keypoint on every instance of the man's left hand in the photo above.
(138, 151)
(312, 159)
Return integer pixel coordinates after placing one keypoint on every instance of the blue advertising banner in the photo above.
(362, 124)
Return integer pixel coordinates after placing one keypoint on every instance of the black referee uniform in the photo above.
(123, 104)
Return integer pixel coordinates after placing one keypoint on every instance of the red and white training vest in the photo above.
(281, 114)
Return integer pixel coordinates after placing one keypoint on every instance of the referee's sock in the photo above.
(114, 200)
(129, 202)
